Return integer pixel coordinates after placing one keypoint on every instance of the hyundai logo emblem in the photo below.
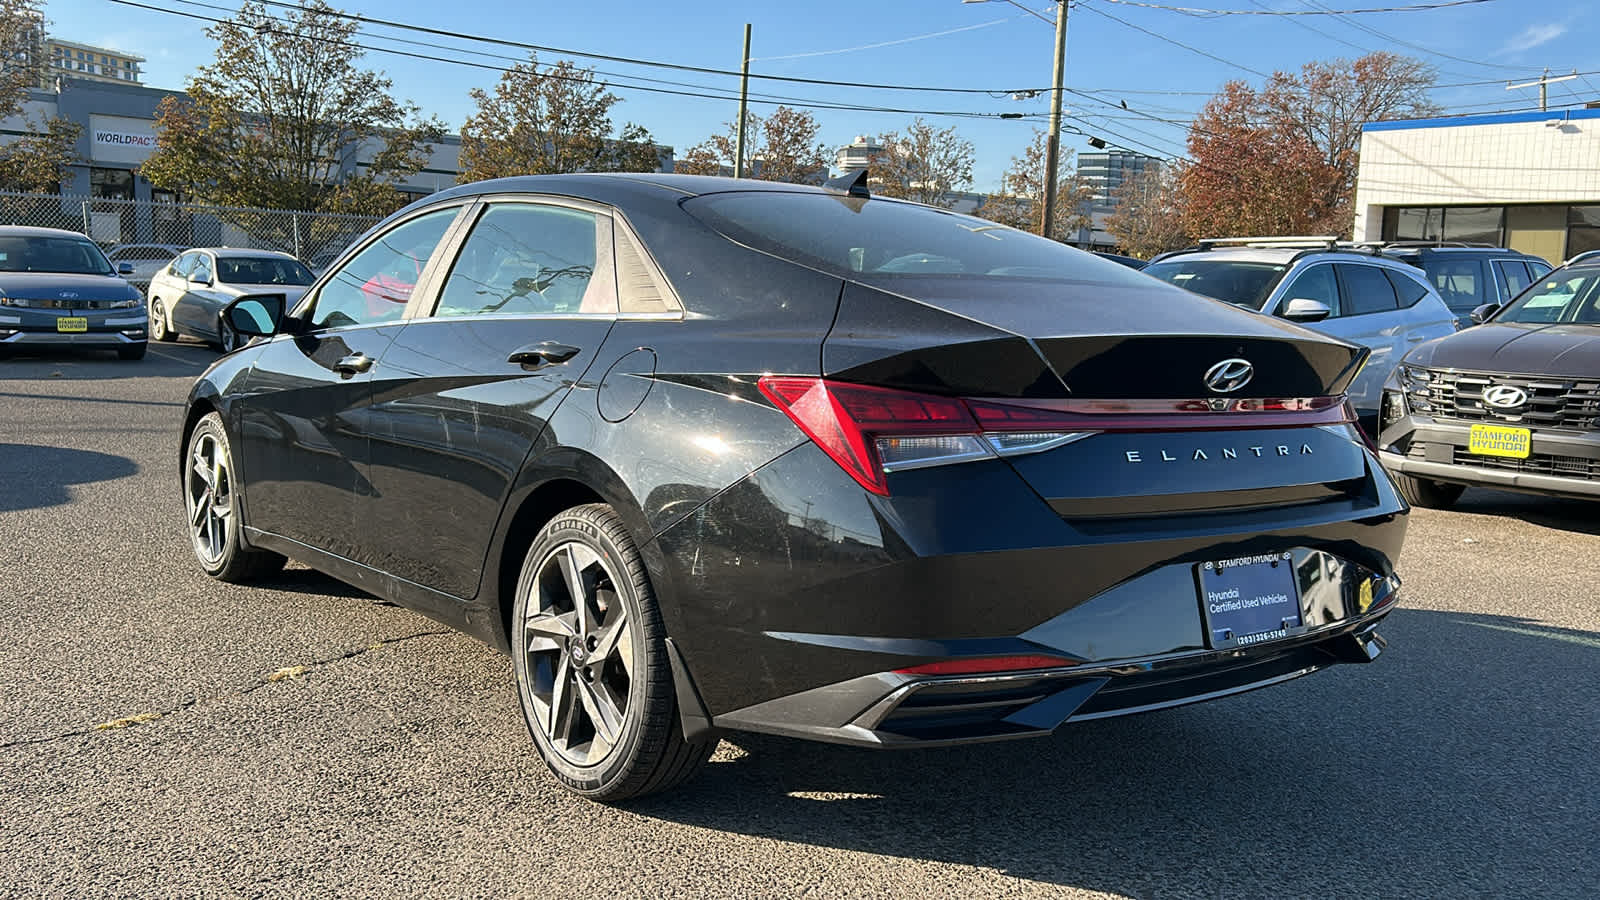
(1229, 375)
(1504, 396)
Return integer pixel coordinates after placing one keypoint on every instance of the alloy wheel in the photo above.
(227, 337)
(209, 492)
(579, 654)
(158, 320)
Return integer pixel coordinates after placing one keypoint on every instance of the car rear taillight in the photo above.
(987, 665)
(870, 431)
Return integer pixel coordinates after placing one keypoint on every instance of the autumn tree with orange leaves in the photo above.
(1282, 159)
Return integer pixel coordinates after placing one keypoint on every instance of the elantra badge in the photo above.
(1504, 396)
(69, 295)
(1229, 375)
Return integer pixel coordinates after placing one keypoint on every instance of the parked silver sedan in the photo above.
(187, 297)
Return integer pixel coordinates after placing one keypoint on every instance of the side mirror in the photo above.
(1303, 310)
(1484, 313)
(256, 315)
(125, 269)
(203, 282)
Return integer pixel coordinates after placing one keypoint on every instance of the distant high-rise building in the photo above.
(89, 63)
(1106, 171)
(854, 156)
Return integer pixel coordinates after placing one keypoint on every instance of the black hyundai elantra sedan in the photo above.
(705, 455)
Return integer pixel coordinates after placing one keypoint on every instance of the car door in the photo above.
(1369, 315)
(192, 309)
(1512, 277)
(301, 420)
(467, 390)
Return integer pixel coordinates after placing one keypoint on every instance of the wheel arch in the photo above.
(550, 483)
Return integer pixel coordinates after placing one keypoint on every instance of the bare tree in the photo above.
(925, 164)
(1020, 200)
(782, 146)
(549, 120)
(1148, 218)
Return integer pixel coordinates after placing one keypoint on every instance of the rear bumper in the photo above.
(799, 601)
(1559, 464)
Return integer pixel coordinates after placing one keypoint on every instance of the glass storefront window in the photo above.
(111, 184)
(1583, 230)
(1473, 224)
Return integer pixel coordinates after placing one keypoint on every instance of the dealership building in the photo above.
(1529, 181)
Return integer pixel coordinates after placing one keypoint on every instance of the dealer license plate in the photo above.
(1500, 440)
(1249, 600)
(72, 324)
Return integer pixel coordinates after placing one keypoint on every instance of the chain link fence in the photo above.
(149, 233)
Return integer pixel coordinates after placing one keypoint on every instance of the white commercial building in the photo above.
(1529, 181)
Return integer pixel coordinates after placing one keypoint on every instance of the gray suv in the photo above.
(1348, 292)
(1468, 277)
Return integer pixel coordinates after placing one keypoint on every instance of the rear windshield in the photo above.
(262, 270)
(65, 256)
(877, 240)
(1246, 284)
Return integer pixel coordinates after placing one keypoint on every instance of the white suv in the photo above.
(1345, 291)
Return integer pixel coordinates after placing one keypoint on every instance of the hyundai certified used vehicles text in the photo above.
(58, 290)
(187, 297)
(708, 454)
(1513, 403)
(1350, 293)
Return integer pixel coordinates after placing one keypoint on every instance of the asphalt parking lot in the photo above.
(169, 735)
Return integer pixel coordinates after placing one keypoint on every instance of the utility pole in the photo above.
(1544, 83)
(744, 107)
(1052, 147)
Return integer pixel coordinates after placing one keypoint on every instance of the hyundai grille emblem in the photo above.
(1229, 375)
(1504, 396)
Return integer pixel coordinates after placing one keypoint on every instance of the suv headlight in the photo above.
(126, 304)
(1415, 383)
(15, 302)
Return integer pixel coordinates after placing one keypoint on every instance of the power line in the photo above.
(1210, 13)
(793, 102)
(1175, 43)
(1317, 5)
(629, 60)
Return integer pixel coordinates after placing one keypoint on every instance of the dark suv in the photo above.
(1513, 403)
(1468, 277)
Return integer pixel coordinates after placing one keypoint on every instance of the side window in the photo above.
(1459, 281)
(1539, 268)
(1512, 275)
(202, 268)
(1316, 283)
(1408, 289)
(183, 265)
(374, 285)
(532, 259)
(1366, 290)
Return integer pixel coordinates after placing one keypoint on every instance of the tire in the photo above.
(159, 330)
(134, 351)
(214, 529)
(569, 700)
(1428, 494)
(227, 338)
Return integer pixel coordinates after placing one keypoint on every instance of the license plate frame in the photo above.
(1249, 600)
(1506, 441)
(72, 324)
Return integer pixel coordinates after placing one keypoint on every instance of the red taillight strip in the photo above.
(984, 665)
(1158, 415)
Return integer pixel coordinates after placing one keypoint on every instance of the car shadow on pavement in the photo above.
(1461, 762)
(1580, 516)
(314, 583)
(32, 476)
(165, 361)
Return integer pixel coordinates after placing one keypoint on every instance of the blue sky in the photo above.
(990, 45)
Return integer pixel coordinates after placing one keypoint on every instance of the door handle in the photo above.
(1416, 338)
(353, 364)
(537, 356)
